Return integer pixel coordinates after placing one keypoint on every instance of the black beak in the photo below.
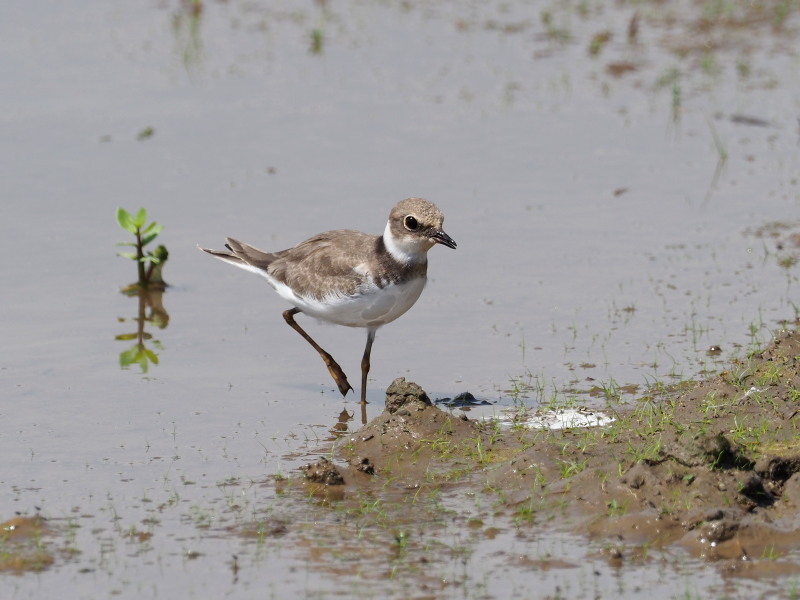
(440, 237)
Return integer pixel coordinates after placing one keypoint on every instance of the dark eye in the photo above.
(411, 223)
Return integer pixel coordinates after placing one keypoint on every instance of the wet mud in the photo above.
(712, 467)
(22, 545)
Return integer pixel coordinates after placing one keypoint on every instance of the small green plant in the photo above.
(794, 395)
(317, 40)
(317, 36)
(616, 508)
(769, 553)
(599, 41)
(401, 538)
(770, 375)
(612, 391)
(526, 513)
(712, 406)
(570, 468)
(145, 134)
(641, 452)
(149, 264)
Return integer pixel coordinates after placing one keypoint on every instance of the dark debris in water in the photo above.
(750, 120)
(461, 400)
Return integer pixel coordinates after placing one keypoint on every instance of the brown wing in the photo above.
(324, 263)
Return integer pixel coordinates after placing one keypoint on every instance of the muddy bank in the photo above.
(710, 466)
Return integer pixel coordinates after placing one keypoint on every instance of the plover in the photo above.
(351, 278)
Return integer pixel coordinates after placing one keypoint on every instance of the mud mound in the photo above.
(412, 438)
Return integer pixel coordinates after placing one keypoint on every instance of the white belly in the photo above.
(372, 308)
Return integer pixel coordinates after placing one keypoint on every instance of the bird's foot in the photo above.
(338, 375)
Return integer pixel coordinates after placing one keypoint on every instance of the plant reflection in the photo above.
(186, 22)
(151, 312)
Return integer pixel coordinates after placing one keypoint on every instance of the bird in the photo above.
(350, 278)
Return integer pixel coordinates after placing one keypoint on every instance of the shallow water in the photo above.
(608, 228)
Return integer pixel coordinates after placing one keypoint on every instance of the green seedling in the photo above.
(148, 263)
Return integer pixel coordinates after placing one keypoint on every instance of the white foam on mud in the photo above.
(567, 418)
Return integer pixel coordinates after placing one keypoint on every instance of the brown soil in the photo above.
(711, 466)
(20, 550)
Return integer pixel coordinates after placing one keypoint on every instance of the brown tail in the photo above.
(226, 256)
(242, 255)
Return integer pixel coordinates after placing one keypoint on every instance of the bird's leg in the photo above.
(365, 364)
(333, 367)
(364, 372)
